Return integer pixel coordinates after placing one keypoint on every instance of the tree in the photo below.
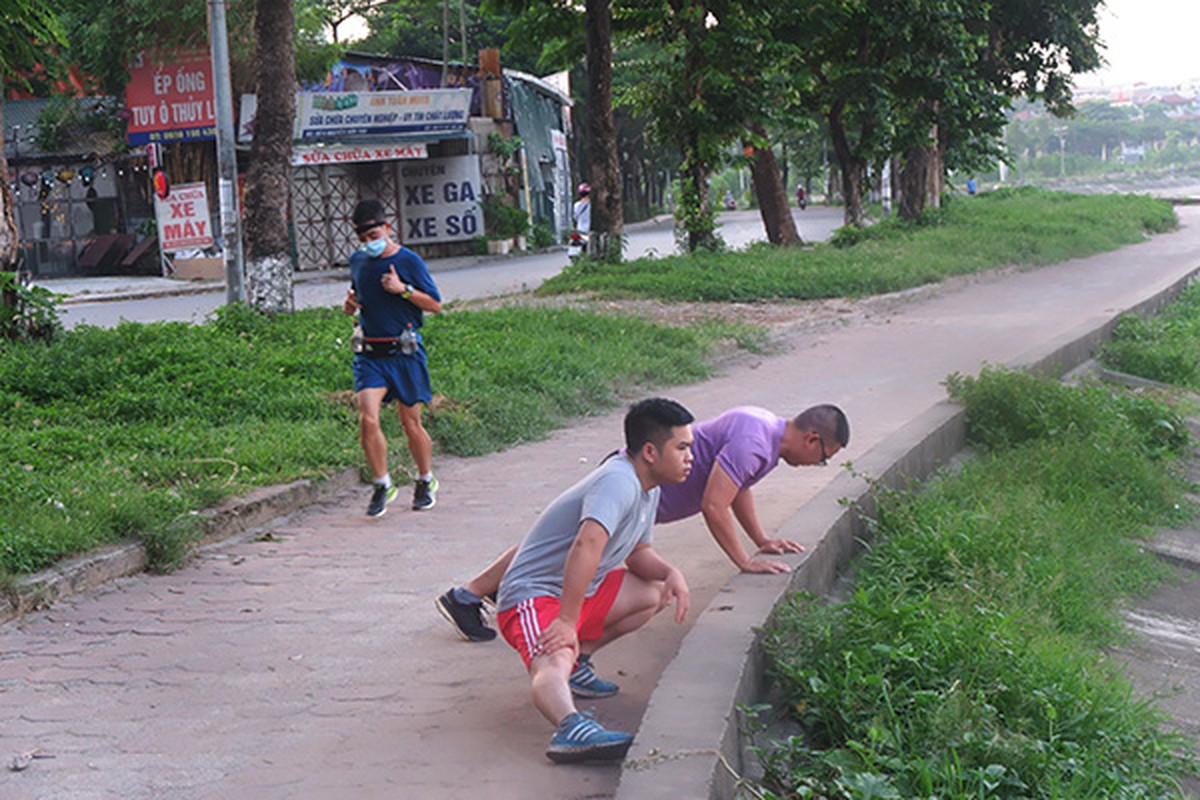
(604, 171)
(268, 182)
(1011, 49)
(608, 220)
(30, 32)
(769, 190)
(691, 86)
(841, 66)
(434, 29)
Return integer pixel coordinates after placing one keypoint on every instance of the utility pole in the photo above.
(231, 227)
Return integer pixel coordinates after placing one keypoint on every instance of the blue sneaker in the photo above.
(585, 683)
(380, 497)
(580, 738)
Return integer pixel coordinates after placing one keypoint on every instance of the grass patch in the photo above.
(1165, 347)
(125, 432)
(1026, 227)
(968, 660)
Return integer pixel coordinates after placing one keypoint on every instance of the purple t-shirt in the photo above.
(744, 441)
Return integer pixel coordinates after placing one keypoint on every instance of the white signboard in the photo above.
(331, 115)
(183, 221)
(441, 200)
(325, 115)
(346, 154)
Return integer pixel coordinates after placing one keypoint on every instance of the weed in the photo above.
(1026, 227)
(1165, 347)
(967, 661)
(134, 428)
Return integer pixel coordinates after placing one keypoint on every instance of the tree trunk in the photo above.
(9, 237)
(768, 188)
(9, 233)
(937, 169)
(268, 182)
(604, 166)
(914, 181)
(853, 169)
(699, 236)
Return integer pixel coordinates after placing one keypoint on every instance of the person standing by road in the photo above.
(732, 452)
(581, 213)
(587, 574)
(390, 291)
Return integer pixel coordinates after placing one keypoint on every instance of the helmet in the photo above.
(584, 190)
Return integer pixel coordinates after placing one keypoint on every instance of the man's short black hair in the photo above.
(651, 421)
(367, 214)
(827, 420)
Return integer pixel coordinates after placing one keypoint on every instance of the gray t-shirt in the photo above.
(612, 495)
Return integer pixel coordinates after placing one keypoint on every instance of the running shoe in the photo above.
(467, 618)
(580, 738)
(585, 683)
(380, 499)
(425, 494)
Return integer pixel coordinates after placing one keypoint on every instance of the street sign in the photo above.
(183, 220)
(170, 97)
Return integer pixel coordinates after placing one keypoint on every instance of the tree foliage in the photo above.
(431, 29)
(31, 32)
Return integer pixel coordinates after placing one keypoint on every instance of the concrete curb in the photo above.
(227, 520)
(690, 742)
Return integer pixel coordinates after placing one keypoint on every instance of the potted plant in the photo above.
(502, 224)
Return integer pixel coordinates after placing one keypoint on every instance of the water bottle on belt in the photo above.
(408, 340)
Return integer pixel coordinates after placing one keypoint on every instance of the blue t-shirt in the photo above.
(383, 314)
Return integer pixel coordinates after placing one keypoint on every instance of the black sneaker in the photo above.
(380, 499)
(467, 618)
(425, 494)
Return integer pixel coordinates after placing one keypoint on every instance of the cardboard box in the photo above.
(199, 269)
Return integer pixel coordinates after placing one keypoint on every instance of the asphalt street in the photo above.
(458, 278)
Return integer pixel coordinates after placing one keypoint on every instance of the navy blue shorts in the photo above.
(406, 378)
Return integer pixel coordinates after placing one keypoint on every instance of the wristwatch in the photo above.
(408, 290)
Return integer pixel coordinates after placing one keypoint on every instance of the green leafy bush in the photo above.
(1007, 408)
(503, 221)
(967, 660)
(27, 313)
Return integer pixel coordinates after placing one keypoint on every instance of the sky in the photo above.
(1148, 41)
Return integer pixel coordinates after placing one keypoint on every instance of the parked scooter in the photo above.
(577, 244)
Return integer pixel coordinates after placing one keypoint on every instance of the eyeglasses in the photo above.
(824, 455)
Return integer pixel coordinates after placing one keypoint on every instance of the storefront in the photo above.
(410, 150)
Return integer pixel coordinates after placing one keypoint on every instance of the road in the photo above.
(458, 279)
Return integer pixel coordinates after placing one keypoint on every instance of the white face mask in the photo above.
(375, 247)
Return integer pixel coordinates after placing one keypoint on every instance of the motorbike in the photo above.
(577, 244)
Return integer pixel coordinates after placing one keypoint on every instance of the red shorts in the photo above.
(522, 625)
